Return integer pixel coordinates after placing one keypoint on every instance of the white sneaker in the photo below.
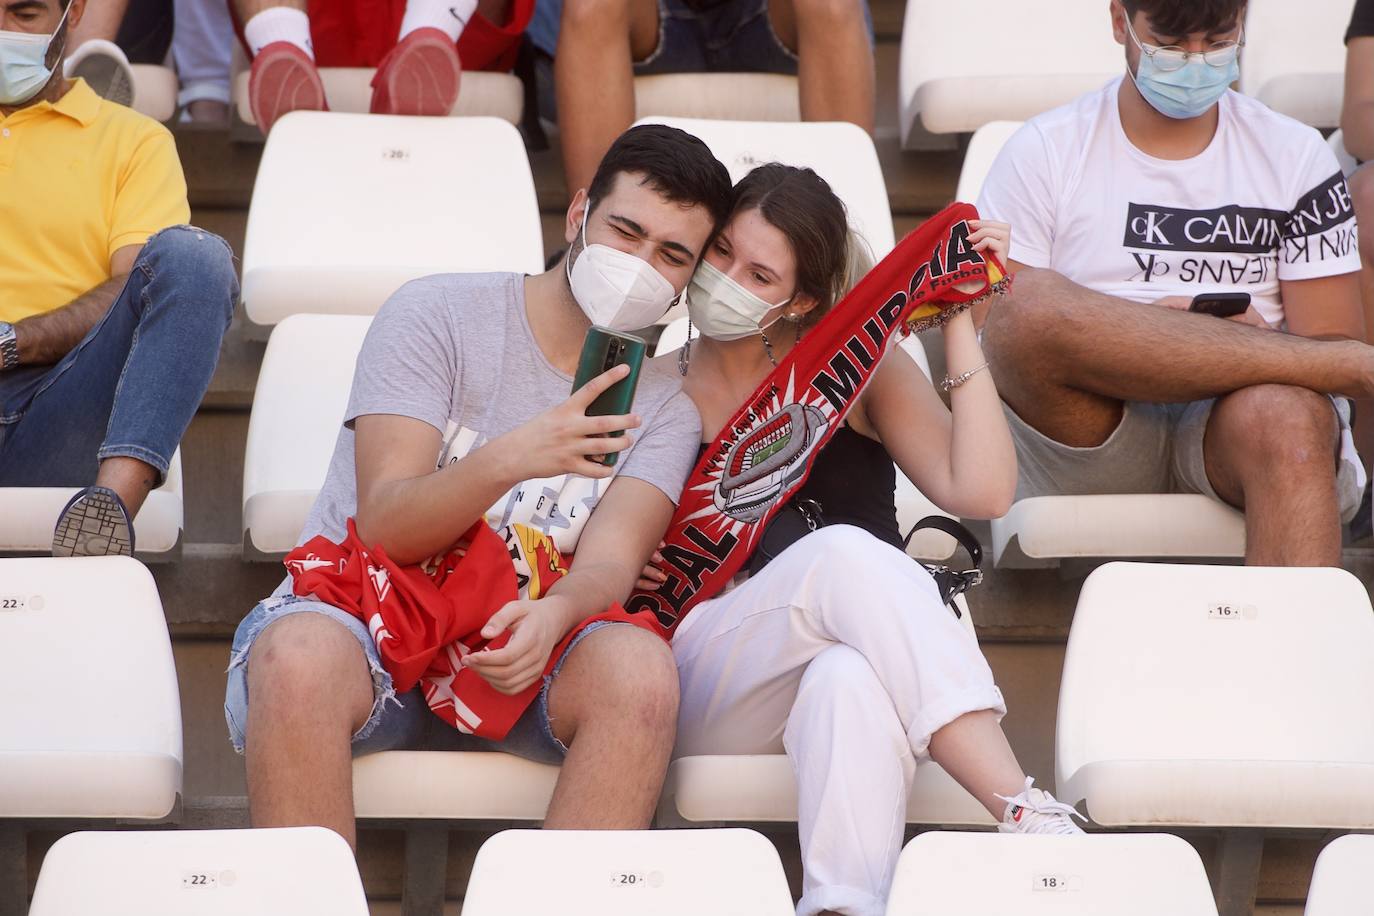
(105, 69)
(1036, 811)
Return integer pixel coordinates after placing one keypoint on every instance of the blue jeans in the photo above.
(131, 386)
(397, 723)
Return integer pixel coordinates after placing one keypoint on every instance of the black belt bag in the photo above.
(800, 517)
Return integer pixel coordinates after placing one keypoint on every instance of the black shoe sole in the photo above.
(93, 526)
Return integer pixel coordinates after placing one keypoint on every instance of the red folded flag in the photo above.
(764, 454)
(426, 619)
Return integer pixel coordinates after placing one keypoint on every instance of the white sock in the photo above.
(279, 23)
(448, 16)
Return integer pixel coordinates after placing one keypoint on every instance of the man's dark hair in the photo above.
(672, 162)
(1177, 18)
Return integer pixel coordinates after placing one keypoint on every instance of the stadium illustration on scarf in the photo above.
(426, 619)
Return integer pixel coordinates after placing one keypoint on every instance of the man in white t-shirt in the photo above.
(1163, 185)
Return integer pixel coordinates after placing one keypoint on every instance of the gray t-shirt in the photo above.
(455, 351)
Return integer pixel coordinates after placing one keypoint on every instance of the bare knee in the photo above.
(599, 17)
(1030, 314)
(827, 14)
(618, 675)
(1278, 426)
(310, 656)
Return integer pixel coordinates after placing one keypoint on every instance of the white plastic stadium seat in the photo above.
(762, 788)
(277, 872)
(30, 514)
(1294, 57)
(349, 90)
(840, 153)
(628, 873)
(986, 874)
(346, 208)
(298, 407)
(986, 143)
(155, 91)
(93, 727)
(1219, 696)
(718, 96)
(1347, 162)
(912, 504)
(451, 785)
(1045, 530)
(1340, 882)
(1000, 60)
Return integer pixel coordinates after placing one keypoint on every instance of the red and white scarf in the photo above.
(764, 454)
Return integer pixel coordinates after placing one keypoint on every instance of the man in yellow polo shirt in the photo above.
(111, 308)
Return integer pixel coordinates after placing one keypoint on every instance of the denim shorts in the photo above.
(735, 36)
(397, 723)
(730, 37)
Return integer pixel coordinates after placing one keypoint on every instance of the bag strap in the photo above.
(954, 529)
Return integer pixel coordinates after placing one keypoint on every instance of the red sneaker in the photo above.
(283, 79)
(419, 77)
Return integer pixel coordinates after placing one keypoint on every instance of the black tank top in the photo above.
(855, 483)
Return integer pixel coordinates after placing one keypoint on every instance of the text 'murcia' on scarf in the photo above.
(765, 452)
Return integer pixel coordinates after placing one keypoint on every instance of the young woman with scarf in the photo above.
(840, 650)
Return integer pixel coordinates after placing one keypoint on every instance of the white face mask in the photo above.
(722, 309)
(23, 68)
(617, 290)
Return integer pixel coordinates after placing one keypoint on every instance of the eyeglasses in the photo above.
(1220, 55)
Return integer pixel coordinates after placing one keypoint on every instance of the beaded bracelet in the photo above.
(949, 384)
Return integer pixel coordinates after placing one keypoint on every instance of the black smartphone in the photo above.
(603, 350)
(1220, 305)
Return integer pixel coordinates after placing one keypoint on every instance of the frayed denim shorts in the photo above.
(401, 722)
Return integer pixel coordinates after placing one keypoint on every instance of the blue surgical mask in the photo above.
(23, 63)
(1187, 92)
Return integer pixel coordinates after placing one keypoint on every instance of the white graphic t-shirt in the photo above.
(1264, 202)
(455, 351)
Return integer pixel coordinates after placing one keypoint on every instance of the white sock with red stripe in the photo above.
(279, 23)
(448, 16)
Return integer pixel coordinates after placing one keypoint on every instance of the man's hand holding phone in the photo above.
(1235, 307)
(564, 440)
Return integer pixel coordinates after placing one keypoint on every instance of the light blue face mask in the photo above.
(1187, 92)
(23, 63)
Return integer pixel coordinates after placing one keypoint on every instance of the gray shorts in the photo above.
(1157, 448)
(397, 723)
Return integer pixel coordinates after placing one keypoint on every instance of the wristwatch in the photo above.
(9, 347)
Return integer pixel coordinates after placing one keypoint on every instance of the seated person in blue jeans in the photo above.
(460, 411)
(602, 45)
(111, 308)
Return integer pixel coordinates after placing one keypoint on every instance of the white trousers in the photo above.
(840, 654)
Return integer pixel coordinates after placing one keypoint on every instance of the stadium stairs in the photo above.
(1022, 615)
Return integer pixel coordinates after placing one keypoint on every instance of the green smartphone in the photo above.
(603, 350)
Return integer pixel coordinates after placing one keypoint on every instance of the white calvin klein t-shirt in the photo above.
(1264, 202)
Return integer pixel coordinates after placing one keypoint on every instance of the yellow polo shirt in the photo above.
(79, 180)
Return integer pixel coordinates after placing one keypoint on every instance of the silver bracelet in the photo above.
(949, 384)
